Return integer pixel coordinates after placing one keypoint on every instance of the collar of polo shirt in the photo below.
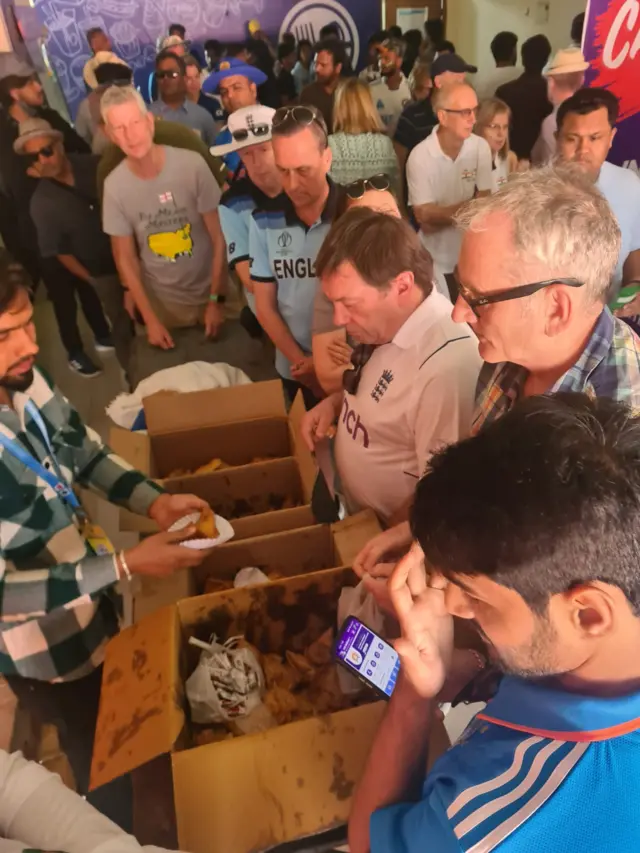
(328, 213)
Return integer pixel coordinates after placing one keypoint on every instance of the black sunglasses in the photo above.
(475, 302)
(47, 151)
(256, 129)
(356, 189)
(302, 116)
(162, 75)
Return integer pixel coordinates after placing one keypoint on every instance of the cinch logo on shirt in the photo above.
(469, 174)
(172, 245)
(294, 268)
(353, 424)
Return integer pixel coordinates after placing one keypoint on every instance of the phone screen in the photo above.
(368, 655)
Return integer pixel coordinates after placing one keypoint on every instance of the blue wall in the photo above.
(134, 26)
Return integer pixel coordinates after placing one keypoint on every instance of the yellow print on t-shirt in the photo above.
(172, 245)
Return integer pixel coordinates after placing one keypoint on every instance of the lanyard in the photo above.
(55, 480)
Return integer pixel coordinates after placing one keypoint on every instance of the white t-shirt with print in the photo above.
(434, 178)
(416, 395)
(500, 174)
(390, 102)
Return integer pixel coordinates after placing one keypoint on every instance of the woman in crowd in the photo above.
(359, 145)
(302, 69)
(331, 349)
(492, 124)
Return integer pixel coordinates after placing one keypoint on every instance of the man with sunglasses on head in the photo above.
(284, 244)
(173, 104)
(451, 166)
(250, 129)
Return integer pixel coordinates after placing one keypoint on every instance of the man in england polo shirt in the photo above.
(411, 389)
(451, 166)
(529, 530)
(284, 243)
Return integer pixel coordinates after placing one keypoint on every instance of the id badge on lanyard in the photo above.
(93, 534)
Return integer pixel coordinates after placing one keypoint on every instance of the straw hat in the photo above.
(570, 60)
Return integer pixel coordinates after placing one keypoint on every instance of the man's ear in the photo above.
(339, 66)
(593, 608)
(254, 90)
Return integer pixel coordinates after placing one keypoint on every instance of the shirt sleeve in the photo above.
(259, 253)
(208, 128)
(419, 182)
(404, 131)
(115, 221)
(484, 177)
(444, 396)
(48, 228)
(206, 187)
(322, 314)
(236, 234)
(421, 827)
(83, 122)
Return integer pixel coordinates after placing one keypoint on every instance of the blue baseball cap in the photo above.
(232, 68)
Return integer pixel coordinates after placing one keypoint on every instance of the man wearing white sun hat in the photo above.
(250, 132)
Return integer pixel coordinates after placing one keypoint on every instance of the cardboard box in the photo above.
(287, 553)
(237, 425)
(248, 793)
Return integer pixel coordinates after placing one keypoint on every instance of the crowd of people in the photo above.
(443, 262)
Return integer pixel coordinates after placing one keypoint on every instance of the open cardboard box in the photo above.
(286, 554)
(238, 425)
(247, 793)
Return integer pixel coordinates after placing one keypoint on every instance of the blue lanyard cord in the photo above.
(55, 480)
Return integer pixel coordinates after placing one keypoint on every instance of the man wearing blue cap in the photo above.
(236, 82)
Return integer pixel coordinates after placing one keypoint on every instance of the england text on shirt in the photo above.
(609, 366)
(56, 615)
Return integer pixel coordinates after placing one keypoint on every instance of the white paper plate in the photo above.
(225, 530)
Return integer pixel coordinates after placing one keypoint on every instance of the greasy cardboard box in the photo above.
(244, 794)
(237, 425)
(287, 553)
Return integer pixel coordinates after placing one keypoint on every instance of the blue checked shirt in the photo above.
(56, 597)
(608, 367)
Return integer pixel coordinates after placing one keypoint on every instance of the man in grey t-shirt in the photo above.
(160, 209)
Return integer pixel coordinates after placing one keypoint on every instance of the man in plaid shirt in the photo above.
(58, 607)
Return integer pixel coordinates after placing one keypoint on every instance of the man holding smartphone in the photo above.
(530, 529)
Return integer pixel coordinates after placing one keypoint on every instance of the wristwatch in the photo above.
(218, 298)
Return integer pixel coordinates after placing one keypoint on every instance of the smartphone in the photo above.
(367, 656)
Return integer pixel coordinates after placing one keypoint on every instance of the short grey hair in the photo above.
(116, 96)
(397, 46)
(560, 220)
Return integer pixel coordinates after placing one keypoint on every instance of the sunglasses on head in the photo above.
(256, 129)
(301, 116)
(163, 75)
(47, 151)
(358, 188)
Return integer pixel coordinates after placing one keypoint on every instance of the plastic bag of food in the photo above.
(359, 602)
(227, 682)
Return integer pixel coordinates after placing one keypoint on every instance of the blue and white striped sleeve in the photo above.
(235, 227)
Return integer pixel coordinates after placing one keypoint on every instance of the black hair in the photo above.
(288, 38)
(378, 38)
(235, 48)
(586, 101)
(93, 32)
(213, 46)
(285, 49)
(434, 28)
(445, 46)
(113, 72)
(304, 43)
(330, 31)
(10, 82)
(261, 54)
(504, 46)
(395, 32)
(335, 48)
(13, 280)
(541, 500)
(577, 26)
(167, 54)
(191, 61)
(535, 53)
(177, 30)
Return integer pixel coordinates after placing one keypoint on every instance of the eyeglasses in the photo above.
(302, 116)
(356, 189)
(163, 75)
(475, 302)
(47, 151)
(256, 129)
(498, 127)
(468, 113)
(359, 358)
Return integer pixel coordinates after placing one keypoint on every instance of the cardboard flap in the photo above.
(352, 534)
(140, 714)
(133, 447)
(171, 411)
(304, 457)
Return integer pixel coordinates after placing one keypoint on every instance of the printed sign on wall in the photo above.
(612, 46)
(134, 27)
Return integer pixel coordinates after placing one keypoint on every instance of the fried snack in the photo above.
(210, 467)
(325, 694)
(216, 585)
(259, 720)
(331, 431)
(279, 674)
(320, 653)
(282, 703)
(206, 525)
(302, 666)
(179, 472)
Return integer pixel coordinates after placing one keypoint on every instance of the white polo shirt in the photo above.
(434, 178)
(416, 395)
(390, 102)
